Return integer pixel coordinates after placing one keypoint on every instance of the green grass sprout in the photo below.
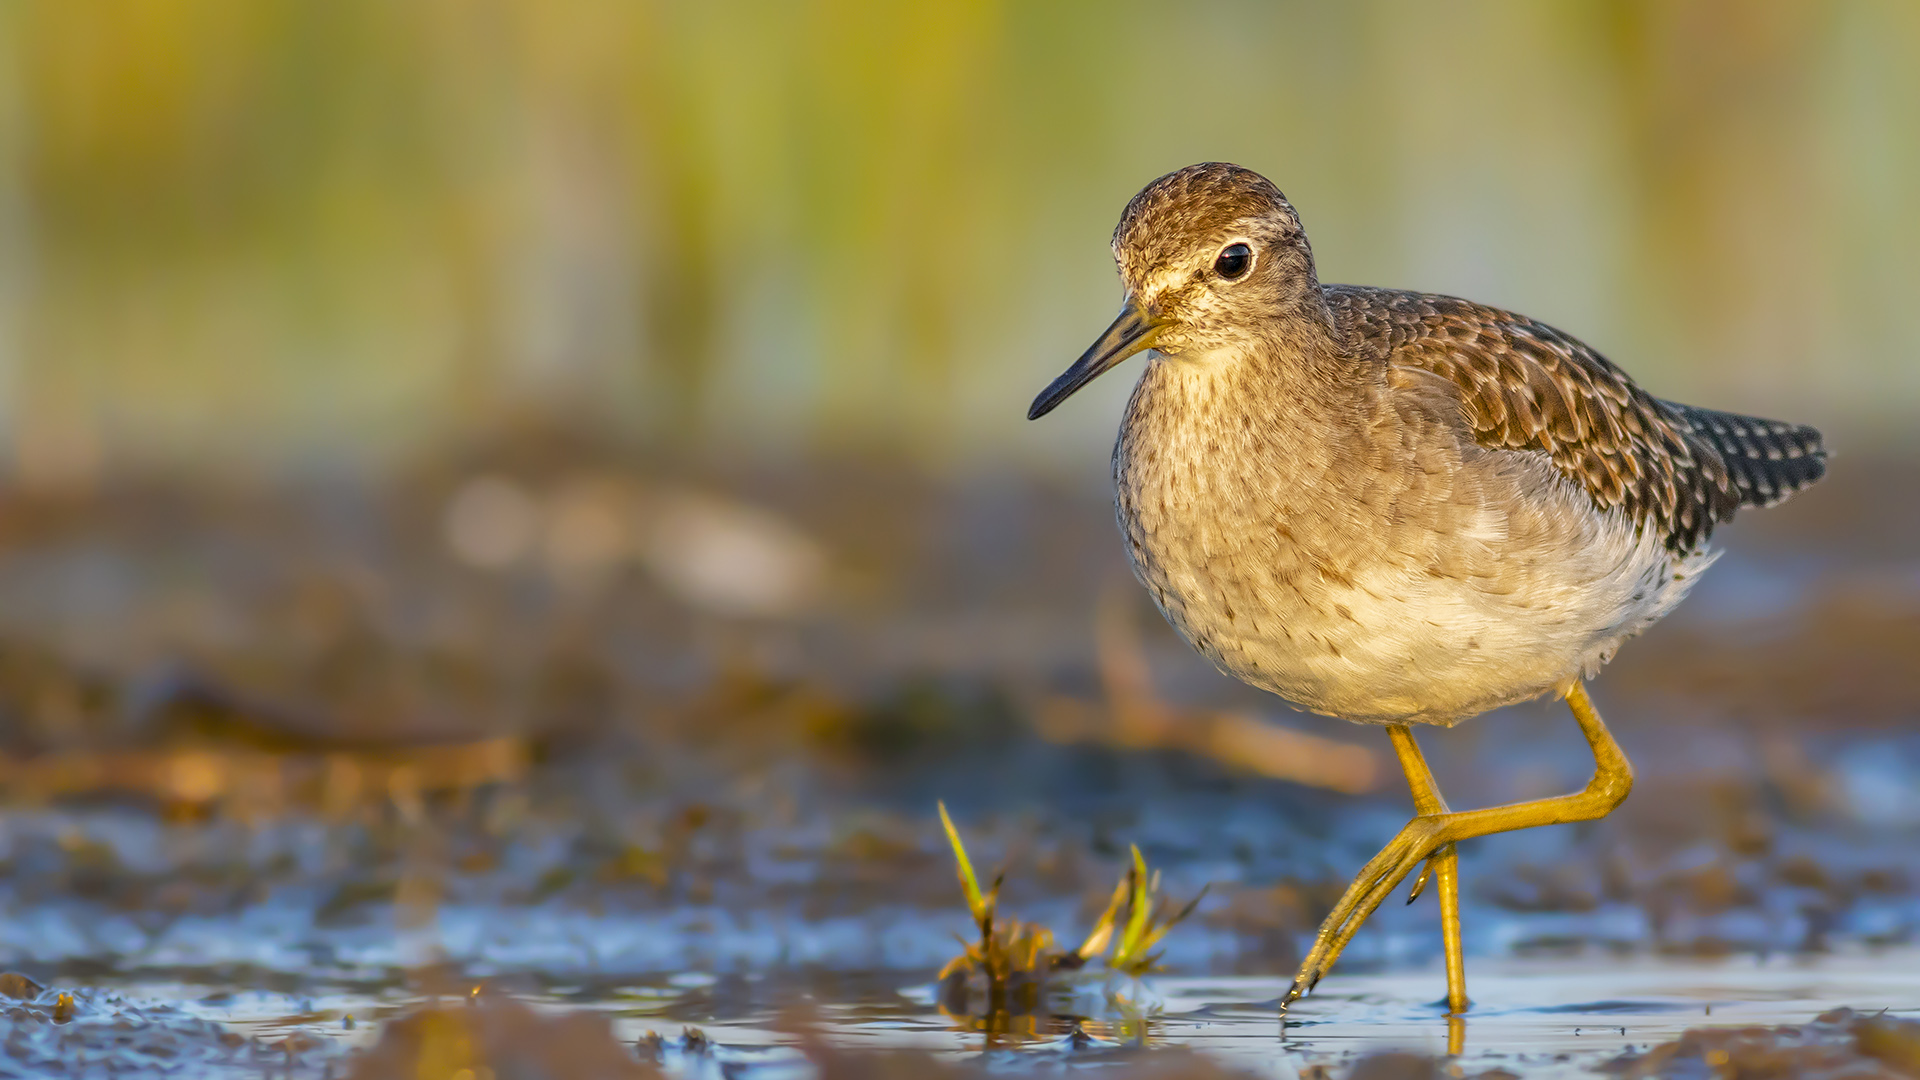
(1102, 933)
(1148, 919)
(969, 884)
(1011, 961)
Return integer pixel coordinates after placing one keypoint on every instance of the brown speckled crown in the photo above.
(1183, 199)
(1169, 213)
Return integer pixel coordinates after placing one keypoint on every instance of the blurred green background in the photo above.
(573, 454)
(252, 232)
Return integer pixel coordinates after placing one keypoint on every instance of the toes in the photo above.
(1415, 844)
(1420, 883)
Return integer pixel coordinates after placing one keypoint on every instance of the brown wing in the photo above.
(1527, 386)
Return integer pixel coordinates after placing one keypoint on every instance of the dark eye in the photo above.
(1233, 261)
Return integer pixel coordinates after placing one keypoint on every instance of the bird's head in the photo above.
(1205, 253)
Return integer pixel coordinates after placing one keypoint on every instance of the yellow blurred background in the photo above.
(262, 232)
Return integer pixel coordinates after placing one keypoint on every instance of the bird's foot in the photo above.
(1416, 842)
(1420, 883)
(1426, 874)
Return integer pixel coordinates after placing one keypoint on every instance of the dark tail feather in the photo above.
(1766, 459)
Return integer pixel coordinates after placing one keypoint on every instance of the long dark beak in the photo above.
(1130, 333)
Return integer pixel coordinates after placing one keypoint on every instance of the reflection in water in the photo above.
(1540, 1019)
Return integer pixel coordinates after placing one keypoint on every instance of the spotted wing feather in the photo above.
(1526, 386)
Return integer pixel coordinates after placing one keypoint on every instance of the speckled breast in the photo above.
(1372, 577)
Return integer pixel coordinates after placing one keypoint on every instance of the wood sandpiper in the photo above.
(1399, 508)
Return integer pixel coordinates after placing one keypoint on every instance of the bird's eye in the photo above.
(1233, 261)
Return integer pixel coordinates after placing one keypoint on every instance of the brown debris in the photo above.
(19, 987)
(203, 781)
(1837, 1044)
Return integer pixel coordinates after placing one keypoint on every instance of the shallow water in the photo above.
(1557, 1017)
(340, 803)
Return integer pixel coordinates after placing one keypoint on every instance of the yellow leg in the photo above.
(1444, 864)
(1427, 802)
(1426, 834)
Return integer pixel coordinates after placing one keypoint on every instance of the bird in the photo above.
(1399, 508)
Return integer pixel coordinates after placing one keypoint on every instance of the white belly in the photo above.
(1379, 621)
